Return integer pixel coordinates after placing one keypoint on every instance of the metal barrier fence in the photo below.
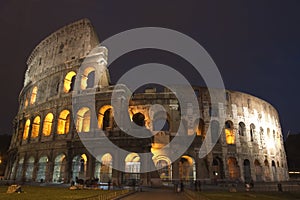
(107, 196)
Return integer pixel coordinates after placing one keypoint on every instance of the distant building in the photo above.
(292, 148)
(46, 146)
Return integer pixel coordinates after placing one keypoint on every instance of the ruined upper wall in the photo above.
(71, 42)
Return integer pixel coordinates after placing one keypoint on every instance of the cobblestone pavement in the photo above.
(156, 194)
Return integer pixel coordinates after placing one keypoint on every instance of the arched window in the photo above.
(163, 167)
(187, 168)
(242, 129)
(59, 170)
(26, 129)
(33, 95)
(69, 81)
(230, 137)
(79, 166)
(88, 78)
(252, 132)
(139, 119)
(36, 127)
(83, 120)
(132, 163)
(29, 169)
(47, 126)
(42, 168)
(103, 167)
(105, 118)
(63, 124)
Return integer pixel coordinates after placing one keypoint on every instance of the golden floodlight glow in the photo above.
(83, 120)
(47, 126)
(35, 127)
(69, 81)
(26, 129)
(63, 122)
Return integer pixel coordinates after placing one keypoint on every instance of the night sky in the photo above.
(255, 43)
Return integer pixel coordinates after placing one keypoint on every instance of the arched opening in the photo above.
(79, 167)
(69, 81)
(35, 127)
(60, 164)
(47, 126)
(132, 166)
(187, 168)
(88, 78)
(63, 124)
(103, 168)
(252, 132)
(215, 130)
(199, 128)
(217, 168)
(26, 129)
(229, 133)
(139, 119)
(42, 167)
(267, 171)
(83, 120)
(29, 168)
(106, 118)
(233, 168)
(274, 171)
(33, 95)
(164, 168)
(247, 171)
(258, 170)
(19, 174)
(242, 129)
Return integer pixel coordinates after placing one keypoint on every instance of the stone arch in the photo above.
(29, 168)
(33, 95)
(103, 167)
(217, 168)
(26, 129)
(187, 168)
(47, 125)
(106, 118)
(267, 170)
(132, 167)
(42, 169)
(63, 122)
(164, 167)
(69, 81)
(35, 127)
(233, 168)
(88, 78)
(252, 132)
(229, 132)
(242, 129)
(258, 170)
(79, 166)
(60, 166)
(19, 174)
(247, 171)
(274, 171)
(83, 120)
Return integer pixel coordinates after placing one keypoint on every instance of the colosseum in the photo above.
(46, 146)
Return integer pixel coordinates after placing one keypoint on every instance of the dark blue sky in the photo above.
(254, 43)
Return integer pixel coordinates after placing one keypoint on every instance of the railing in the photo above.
(107, 196)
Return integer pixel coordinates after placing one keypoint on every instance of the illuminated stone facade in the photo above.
(46, 147)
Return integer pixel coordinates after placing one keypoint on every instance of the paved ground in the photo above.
(156, 194)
